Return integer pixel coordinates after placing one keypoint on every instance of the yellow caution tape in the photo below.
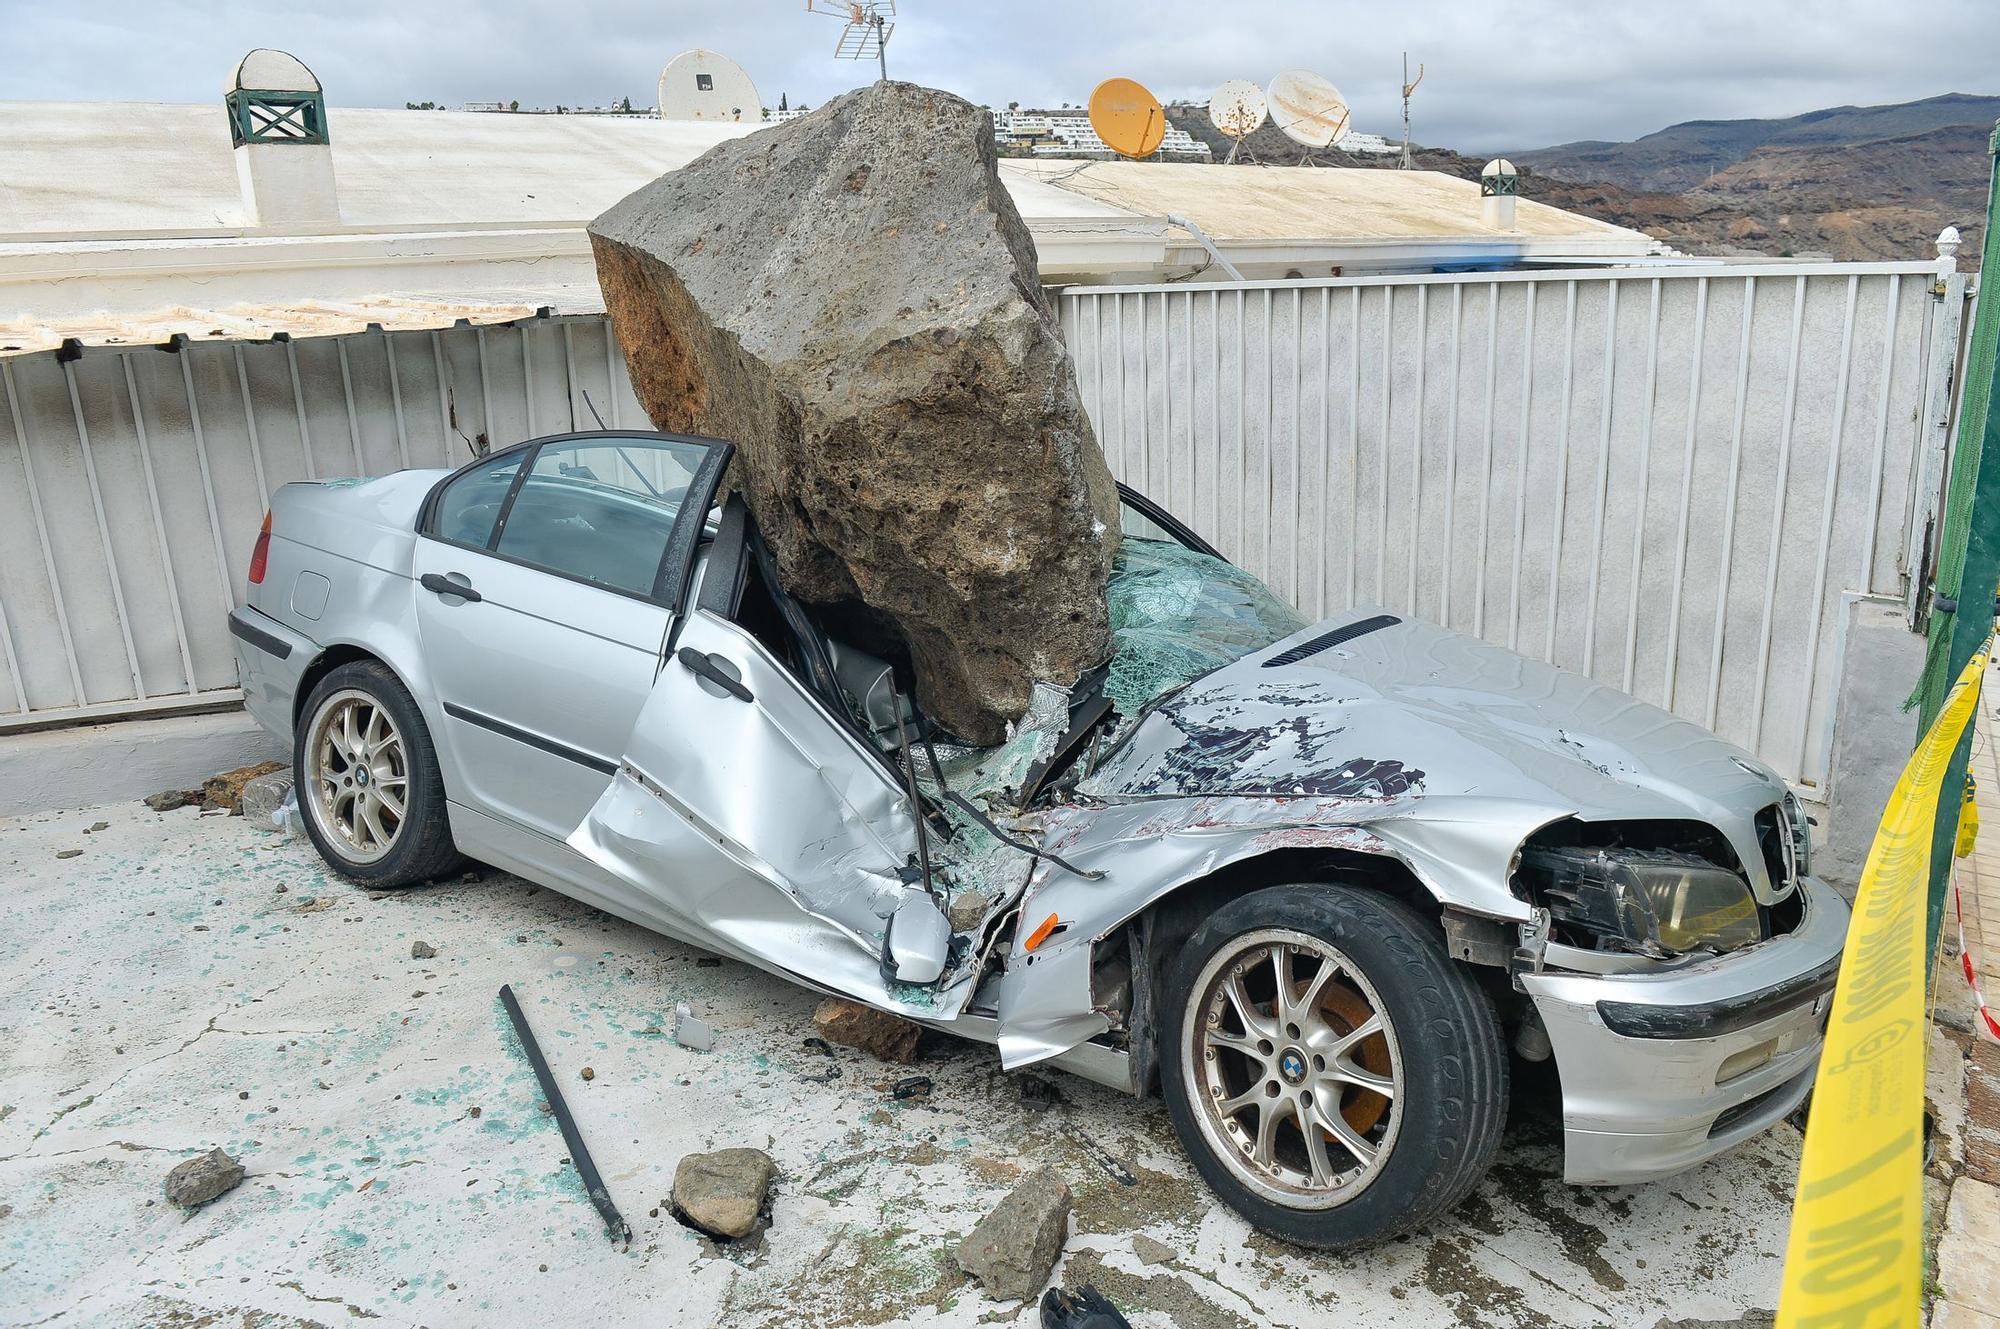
(1968, 822)
(1855, 1257)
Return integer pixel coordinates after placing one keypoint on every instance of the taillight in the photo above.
(260, 553)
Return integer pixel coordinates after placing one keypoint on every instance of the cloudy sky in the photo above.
(1500, 73)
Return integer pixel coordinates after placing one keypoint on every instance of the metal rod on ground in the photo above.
(586, 1170)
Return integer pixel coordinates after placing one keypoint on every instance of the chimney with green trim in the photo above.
(277, 124)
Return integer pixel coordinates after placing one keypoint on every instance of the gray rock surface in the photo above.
(202, 1178)
(422, 950)
(265, 794)
(1152, 1251)
(968, 908)
(1013, 1249)
(853, 299)
(722, 1193)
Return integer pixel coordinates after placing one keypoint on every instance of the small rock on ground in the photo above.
(722, 1193)
(422, 950)
(202, 1178)
(1150, 1251)
(169, 799)
(1013, 1249)
(68, 853)
(878, 1033)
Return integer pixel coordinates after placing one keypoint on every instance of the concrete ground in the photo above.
(1967, 1275)
(187, 982)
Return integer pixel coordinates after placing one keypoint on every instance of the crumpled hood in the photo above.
(1410, 721)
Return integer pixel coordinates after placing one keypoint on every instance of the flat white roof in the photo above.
(73, 171)
(124, 222)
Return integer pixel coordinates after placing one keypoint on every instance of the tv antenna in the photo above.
(1308, 110)
(1237, 109)
(869, 23)
(1409, 163)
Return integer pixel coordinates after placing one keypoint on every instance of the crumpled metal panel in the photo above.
(763, 821)
(1414, 713)
(1407, 741)
(1411, 741)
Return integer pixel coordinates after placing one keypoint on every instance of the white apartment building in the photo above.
(1073, 132)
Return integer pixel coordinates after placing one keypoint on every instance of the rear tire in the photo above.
(1404, 1118)
(370, 793)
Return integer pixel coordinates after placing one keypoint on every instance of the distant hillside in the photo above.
(1853, 183)
(1682, 157)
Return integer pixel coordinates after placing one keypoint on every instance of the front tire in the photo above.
(369, 788)
(1335, 1076)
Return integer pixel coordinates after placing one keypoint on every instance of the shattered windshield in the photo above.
(1177, 614)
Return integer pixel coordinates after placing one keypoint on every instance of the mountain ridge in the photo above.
(1683, 156)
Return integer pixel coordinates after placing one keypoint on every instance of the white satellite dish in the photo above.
(706, 85)
(1308, 109)
(1237, 108)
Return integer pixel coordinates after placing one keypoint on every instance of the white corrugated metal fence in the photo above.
(1664, 478)
(132, 482)
(1667, 478)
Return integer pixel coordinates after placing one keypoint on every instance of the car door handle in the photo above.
(705, 666)
(443, 585)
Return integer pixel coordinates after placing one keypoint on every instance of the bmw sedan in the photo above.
(1316, 886)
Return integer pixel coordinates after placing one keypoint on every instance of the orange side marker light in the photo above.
(1040, 934)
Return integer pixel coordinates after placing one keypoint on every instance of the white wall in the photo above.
(127, 519)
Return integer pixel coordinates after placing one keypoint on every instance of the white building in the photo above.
(1072, 132)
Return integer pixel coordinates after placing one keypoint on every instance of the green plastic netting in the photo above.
(1176, 614)
(1941, 662)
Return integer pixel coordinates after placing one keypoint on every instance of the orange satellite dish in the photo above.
(1127, 117)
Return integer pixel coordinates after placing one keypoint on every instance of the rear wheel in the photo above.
(368, 781)
(1336, 1077)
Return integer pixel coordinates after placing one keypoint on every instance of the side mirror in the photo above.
(918, 940)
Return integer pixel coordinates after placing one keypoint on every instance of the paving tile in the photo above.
(1952, 1315)
(1968, 1273)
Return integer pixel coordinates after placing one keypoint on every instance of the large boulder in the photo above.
(853, 300)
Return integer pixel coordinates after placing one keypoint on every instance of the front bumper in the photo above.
(270, 660)
(1663, 1070)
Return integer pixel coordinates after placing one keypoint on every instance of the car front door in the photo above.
(746, 806)
(546, 578)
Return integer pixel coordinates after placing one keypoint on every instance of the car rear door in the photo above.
(546, 584)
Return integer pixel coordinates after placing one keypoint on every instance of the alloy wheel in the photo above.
(1295, 1068)
(359, 775)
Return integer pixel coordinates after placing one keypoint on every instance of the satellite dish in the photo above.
(1237, 108)
(1127, 117)
(706, 85)
(1308, 109)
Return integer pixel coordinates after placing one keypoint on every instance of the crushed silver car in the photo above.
(1314, 885)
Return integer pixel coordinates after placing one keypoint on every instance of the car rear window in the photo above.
(470, 505)
(600, 510)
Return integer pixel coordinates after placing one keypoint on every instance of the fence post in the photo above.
(1968, 567)
(1941, 379)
